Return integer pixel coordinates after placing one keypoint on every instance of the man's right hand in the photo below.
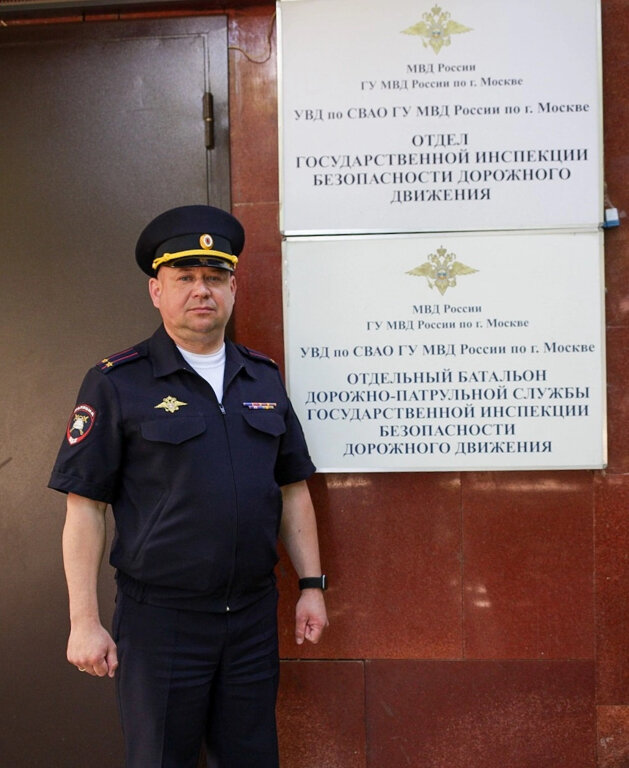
(91, 649)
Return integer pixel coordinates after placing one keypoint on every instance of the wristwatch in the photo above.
(314, 582)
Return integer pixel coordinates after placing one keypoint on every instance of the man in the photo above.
(194, 443)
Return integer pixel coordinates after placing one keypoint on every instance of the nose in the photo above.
(202, 287)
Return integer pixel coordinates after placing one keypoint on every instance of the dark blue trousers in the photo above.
(186, 677)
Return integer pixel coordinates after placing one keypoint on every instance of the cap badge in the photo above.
(170, 404)
(206, 242)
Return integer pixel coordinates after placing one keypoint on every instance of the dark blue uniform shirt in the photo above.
(194, 484)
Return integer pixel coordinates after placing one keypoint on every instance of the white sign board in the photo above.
(420, 117)
(447, 352)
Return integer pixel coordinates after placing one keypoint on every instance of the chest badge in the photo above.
(170, 404)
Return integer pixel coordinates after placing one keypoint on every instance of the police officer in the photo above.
(193, 442)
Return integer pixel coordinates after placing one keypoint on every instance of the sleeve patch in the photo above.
(80, 424)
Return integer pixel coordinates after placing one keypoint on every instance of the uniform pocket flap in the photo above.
(176, 430)
(266, 421)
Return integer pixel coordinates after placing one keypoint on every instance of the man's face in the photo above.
(195, 304)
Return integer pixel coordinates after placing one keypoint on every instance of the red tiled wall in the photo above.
(478, 620)
(611, 488)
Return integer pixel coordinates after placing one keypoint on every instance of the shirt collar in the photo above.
(166, 358)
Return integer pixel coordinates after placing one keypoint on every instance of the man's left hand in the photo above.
(311, 617)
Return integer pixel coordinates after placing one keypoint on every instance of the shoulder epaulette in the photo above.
(254, 355)
(113, 361)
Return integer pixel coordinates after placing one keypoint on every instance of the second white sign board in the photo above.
(448, 352)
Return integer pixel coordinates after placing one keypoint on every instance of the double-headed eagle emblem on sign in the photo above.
(436, 29)
(441, 270)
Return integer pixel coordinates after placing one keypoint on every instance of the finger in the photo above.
(89, 669)
(112, 661)
(316, 628)
(314, 633)
(99, 669)
(300, 631)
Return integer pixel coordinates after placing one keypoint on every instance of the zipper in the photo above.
(235, 522)
(221, 408)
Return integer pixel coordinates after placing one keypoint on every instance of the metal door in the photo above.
(102, 126)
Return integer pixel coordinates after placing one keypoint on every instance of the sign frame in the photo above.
(323, 272)
(519, 163)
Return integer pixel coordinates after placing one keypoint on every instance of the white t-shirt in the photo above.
(210, 367)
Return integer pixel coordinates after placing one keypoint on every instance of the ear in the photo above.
(155, 291)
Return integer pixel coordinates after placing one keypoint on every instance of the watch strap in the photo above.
(314, 582)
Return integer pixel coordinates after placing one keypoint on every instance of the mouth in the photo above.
(202, 310)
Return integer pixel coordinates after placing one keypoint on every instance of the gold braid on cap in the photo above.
(195, 252)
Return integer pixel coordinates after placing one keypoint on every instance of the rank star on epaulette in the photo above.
(170, 404)
(112, 361)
